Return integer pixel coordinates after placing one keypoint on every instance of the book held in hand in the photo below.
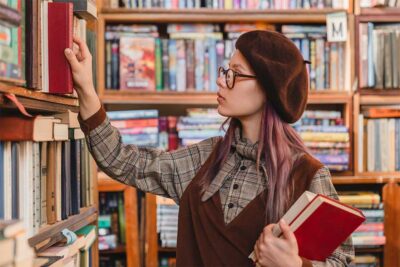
(320, 225)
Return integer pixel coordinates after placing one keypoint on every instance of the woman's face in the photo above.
(246, 98)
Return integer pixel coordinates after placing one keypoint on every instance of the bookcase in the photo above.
(349, 100)
(131, 249)
(16, 94)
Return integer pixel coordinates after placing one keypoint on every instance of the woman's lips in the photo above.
(220, 98)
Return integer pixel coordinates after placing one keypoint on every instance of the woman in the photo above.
(231, 190)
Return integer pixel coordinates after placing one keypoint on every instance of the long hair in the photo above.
(278, 142)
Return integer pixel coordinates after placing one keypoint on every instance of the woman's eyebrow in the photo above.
(237, 66)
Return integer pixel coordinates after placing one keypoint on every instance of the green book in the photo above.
(159, 80)
(121, 219)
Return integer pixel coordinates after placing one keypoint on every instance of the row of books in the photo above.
(379, 3)
(379, 140)
(379, 55)
(32, 54)
(326, 137)
(228, 4)
(45, 169)
(199, 124)
(167, 222)
(137, 59)
(111, 220)
(323, 132)
(371, 232)
(327, 69)
(367, 260)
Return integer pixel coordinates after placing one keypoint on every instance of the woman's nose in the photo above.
(221, 81)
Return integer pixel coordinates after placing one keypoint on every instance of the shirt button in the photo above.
(230, 205)
(243, 167)
(235, 186)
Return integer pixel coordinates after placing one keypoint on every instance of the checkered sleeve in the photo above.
(344, 254)
(148, 169)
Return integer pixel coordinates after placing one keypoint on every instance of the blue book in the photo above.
(172, 64)
(213, 64)
(371, 74)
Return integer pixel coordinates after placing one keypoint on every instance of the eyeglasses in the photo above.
(230, 76)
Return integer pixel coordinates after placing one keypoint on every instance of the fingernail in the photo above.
(68, 51)
(283, 221)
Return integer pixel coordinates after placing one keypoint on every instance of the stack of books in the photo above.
(371, 232)
(45, 169)
(199, 124)
(138, 127)
(326, 137)
(167, 222)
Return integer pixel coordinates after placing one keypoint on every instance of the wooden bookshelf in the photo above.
(51, 234)
(215, 15)
(106, 184)
(191, 97)
(37, 100)
(345, 100)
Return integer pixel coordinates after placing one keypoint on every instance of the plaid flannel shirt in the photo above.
(169, 173)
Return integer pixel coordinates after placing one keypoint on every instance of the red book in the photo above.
(320, 224)
(60, 18)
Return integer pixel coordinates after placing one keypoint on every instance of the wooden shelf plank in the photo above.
(51, 234)
(380, 11)
(37, 100)
(166, 250)
(330, 97)
(202, 98)
(106, 184)
(384, 98)
(367, 178)
(212, 15)
(119, 249)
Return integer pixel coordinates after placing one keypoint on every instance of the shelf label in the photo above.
(336, 25)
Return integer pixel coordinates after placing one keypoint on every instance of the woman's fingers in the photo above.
(73, 61)
(84, 50)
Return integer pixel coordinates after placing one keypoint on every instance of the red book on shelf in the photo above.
(320, 224)
(60, 19)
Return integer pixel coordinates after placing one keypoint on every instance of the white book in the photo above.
(43, 183)
(7, 182)
(361, 143)
(36, 187)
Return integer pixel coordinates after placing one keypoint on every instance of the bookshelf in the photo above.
(348, 101)
(38, 103)
(131, 249)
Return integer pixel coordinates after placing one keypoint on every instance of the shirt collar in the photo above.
(243, 146)
(245, 149)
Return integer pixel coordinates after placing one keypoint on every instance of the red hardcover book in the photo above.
(60, 18)
(320, 224)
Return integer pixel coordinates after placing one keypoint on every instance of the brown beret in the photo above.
(280, 69)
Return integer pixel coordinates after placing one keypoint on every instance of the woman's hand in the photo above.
(80, 61)
(272, 251)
